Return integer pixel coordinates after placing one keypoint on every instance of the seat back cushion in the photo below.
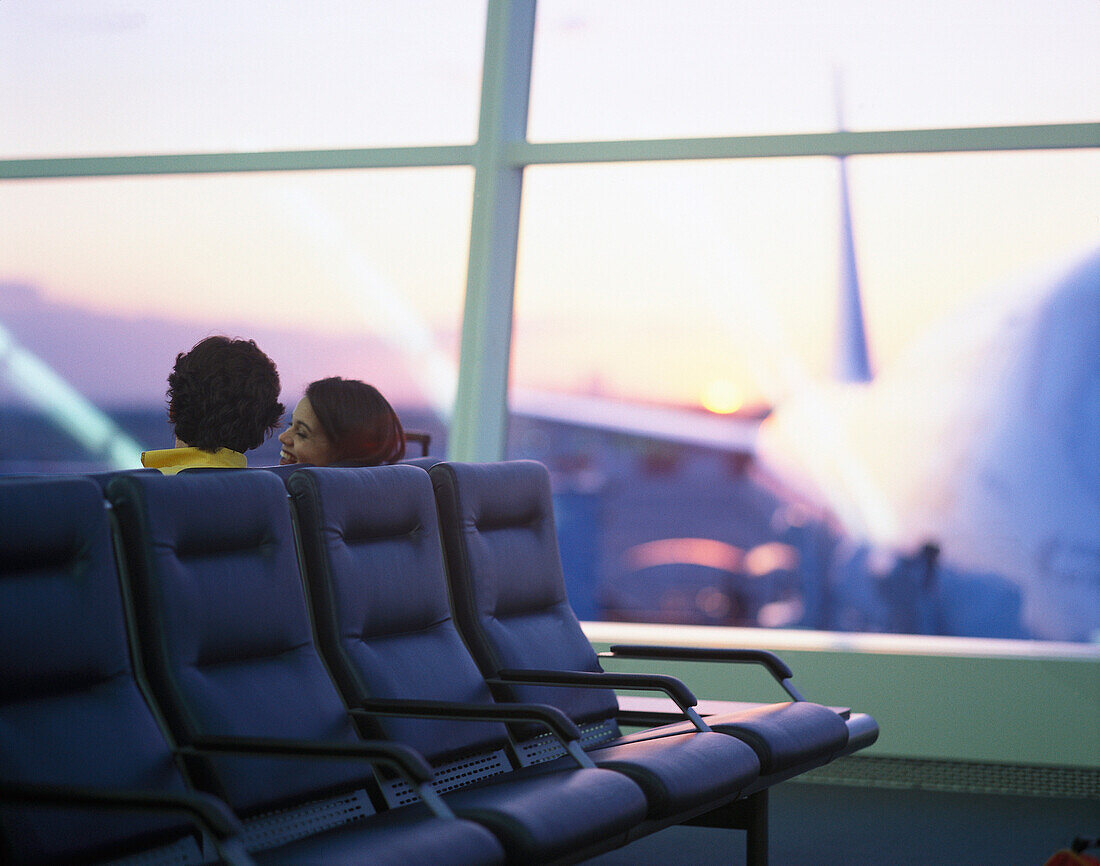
(506, 579)
(424, 463)
(71, 712)
(374, 563)
(224, 630)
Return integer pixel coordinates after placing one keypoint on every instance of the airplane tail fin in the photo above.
(852, 362)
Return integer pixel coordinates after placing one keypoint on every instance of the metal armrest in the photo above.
(208, 812)
(405, 760)
(408, 762)
(424, 440)
(560, 725)
(671, 686)
(774, 664)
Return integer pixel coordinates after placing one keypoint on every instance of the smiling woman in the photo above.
(344, 422)
(304, 441)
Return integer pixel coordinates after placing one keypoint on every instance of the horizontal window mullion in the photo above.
(1041, 137)
(225, 163)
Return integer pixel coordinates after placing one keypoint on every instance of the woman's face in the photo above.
(304, 441)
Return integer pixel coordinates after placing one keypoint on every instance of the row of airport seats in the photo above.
(164, 657)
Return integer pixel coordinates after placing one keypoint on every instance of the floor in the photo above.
(813, 823)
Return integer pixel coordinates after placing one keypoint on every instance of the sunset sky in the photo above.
(656, 282)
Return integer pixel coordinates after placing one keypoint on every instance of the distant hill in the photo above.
(119, 361)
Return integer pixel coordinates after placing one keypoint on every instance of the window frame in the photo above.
(478, 429)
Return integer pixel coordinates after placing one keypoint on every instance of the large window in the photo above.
(658, 282)
(92, 77)
(938, 497)
(106, 280)
(621, 69)
(702, 189)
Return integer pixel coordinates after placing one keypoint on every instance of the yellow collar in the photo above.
(172, 460)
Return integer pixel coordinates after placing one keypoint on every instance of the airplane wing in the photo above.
(667, 424)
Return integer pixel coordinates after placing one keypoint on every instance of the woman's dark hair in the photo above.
(224, 394)
(358, 421)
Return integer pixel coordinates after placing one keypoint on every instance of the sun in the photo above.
(722, 397)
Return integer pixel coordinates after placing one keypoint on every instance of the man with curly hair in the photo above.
(223, 400)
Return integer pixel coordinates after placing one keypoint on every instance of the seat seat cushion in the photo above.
(407, 835)
(784, 735)
(542, 816)
(679, 772)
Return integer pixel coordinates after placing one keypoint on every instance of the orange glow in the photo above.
(771, 556)
(722, 397)
(694, 551)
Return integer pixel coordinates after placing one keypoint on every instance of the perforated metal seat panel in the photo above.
(287, 825)
(549, 748)
(449, 777)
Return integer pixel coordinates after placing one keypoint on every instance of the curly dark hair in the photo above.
(224, 393)
(359, 422)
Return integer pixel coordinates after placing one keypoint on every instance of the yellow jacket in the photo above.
(172, 460)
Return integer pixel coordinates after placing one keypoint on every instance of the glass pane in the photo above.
(623, 69)
(663, 310)
(91, 77)
(102, 283)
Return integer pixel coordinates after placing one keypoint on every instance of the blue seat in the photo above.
(424, 463)
(283, 470)
(287, 469)
(76, 731)
(226, 640)
(74, 726)
(104, 478)
(509, 599)
(374, 561)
